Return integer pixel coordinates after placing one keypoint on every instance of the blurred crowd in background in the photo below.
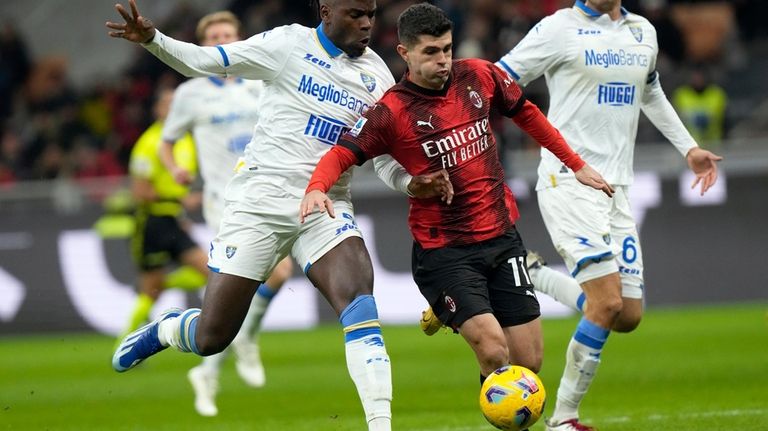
(49, 130)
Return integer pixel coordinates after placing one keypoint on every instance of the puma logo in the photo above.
(425, 123)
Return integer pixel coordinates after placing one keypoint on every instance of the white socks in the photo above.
(367, 361)
(368, 365)
(581, 361)
(562, 287)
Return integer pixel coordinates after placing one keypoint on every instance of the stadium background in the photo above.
(73, 101)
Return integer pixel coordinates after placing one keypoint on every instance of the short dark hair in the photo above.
(421, 19)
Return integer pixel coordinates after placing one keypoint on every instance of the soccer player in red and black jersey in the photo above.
(468, 258)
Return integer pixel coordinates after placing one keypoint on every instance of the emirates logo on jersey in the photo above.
(475, 99)
(460, 144)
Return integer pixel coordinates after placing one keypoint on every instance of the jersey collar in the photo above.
(326, 43)
(588, 11)
(220, 82)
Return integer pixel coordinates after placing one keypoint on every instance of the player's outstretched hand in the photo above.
(432, 184)
(590, 177)
(136, 28)
(315, 198)
(703, 163)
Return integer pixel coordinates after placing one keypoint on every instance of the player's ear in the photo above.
(403, 51)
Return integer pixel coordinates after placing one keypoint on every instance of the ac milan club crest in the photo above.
(450, 304)
(475, 99)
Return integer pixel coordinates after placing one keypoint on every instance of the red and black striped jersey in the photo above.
(427, 130)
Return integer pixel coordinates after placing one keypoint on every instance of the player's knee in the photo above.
(607, 308)
(493, 356)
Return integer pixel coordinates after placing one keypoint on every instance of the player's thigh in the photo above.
(624, 234)
(526, 345)
(343, 273)
(578, 220)
(453, 281)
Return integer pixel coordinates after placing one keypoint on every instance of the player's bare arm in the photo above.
(136, 28)
(434, 184)
(703, 163)
(590, 177)
(315, 199)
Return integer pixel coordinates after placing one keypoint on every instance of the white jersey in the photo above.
(221, 115)
(313, 93)
(600, 73)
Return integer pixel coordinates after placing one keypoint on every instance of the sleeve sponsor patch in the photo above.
(358, 126)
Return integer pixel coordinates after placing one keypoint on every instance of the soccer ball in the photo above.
(512, 398)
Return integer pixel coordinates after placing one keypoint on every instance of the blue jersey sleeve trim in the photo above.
(214, 269)
(223, 55)
(509, 70)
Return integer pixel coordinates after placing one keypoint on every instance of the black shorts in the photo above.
(486, 277)
(158, 241)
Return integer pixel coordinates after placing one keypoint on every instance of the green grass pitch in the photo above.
(702, 368)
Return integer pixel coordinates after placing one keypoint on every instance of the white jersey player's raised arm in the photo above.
(590, 64)
(308, 103)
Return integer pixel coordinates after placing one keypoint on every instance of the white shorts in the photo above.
(260, 226)
(587, 227)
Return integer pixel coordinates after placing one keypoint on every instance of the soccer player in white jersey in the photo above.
(317, 83)
(221, 113)
(599, 62)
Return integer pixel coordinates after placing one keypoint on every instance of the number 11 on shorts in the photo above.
(518, 267)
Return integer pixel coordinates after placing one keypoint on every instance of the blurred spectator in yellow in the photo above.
(701, 105)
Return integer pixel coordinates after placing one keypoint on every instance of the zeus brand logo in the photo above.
(616, 94)
(314, 60)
